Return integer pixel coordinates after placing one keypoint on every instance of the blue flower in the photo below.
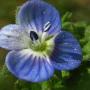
(38, 46)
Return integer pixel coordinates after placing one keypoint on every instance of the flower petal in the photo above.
(26, 66)
(12, 37)
(36, 14)
(67, 53)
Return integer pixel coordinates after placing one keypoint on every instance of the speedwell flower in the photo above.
(37, 44)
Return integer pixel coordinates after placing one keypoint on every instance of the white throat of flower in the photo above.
(42, 45)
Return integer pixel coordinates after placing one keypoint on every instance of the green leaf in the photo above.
(66, 17)
(6, 80)
(17, 10)
(87, 33)
(86, 51)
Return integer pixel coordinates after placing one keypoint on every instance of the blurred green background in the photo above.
(76, 19)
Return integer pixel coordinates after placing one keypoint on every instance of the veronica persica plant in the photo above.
(37, 45)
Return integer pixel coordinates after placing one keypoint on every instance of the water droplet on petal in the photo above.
(47, 26)
(43, 11)
(75, 49)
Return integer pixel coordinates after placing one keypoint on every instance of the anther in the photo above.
(33, 36)
(47, 26)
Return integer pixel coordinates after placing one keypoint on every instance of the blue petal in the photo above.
(67, 53)
(24, 65)
(12, 37)
(35, 15)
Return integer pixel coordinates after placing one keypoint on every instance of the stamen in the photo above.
(47, 26)
(33, 36)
